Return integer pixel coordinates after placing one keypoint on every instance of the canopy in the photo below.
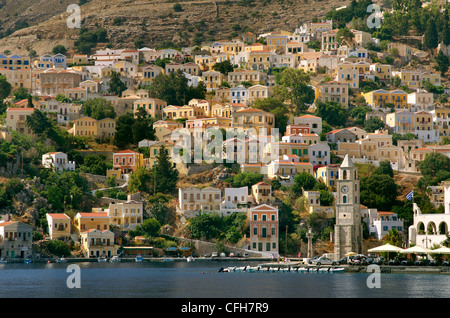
(442, 250)
(416, 250)
(385, 248)
(350, 254)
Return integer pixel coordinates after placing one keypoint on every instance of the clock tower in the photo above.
(348, 228)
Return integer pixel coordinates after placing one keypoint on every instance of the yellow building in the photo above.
(382, 71)
(289, 148)
(59, 225)
(253, 118)
(333, 91)
(328, 175)
(154, 148)
(177, 112)
(262, 193)
(87, 126)
(84, 221)
(382, 99)
(152, 106)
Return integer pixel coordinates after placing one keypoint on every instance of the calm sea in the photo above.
(202, 280)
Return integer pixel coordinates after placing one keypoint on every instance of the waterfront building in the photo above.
(264, 229)
(16, 239)
(428, 230)
(97, 243)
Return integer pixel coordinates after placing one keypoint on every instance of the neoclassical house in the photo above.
(430, 229)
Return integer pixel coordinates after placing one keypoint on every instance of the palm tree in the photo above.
(394, 237)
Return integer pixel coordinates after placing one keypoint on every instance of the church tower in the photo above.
(348, 228)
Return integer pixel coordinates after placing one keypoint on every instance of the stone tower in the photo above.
(348, 228)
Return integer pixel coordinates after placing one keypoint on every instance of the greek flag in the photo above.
(410, 195)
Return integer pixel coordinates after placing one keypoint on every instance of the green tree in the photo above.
(332, 112)
(59, 49)
(174, 89)
(149, 228)
(430, 39)
(293, 87)
(140, 181)
(443, 63)
(384, 168)
(434, 168)
(326, 198)
(278, 108)
(223, 67)
(372, 124)
(165, 173)
(98, 108)
(245, 179)
(116, 86)
(378, 191)
(5, 88)
(58, 248)
(303, 181)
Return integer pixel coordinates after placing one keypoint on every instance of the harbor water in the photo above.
(202, 280)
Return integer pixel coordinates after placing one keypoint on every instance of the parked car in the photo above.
(359, 259)
(343, 260)
(406, 262)
(223, 255)
(231, 254)
(445, 263)
(214, 254)
(310, 261)
(378, 260)
(323, 261)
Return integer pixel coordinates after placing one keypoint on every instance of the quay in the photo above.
(267, 262)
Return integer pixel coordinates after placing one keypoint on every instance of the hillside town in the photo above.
(323, 139)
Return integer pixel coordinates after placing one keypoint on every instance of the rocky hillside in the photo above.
(154, 21)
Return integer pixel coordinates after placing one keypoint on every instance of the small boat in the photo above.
(139, 258)
(3, 261)
(190, 259)
(102, 259)
(115, 259)
(61, 260)
(27, 261)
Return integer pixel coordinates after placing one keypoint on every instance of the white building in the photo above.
(383, 223)
(233, 197)
(319, 154)
(430, 229)
(57, 161)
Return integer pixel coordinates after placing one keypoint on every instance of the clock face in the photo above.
(344, 189)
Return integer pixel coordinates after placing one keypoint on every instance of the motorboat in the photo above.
(61, 260)
(190, 259)
(139, 258)
(102, 259)
(115, 259)
(3, 261)
(27, 261)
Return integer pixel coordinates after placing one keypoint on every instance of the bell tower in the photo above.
(348, 228)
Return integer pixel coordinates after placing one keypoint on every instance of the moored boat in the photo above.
(102, 259)
(115, 259)
(61, 260)
(138, 258)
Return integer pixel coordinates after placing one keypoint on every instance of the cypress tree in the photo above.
(166, 176)
(430, 39)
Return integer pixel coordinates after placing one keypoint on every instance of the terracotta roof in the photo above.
(58, 215)
(93, 215)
